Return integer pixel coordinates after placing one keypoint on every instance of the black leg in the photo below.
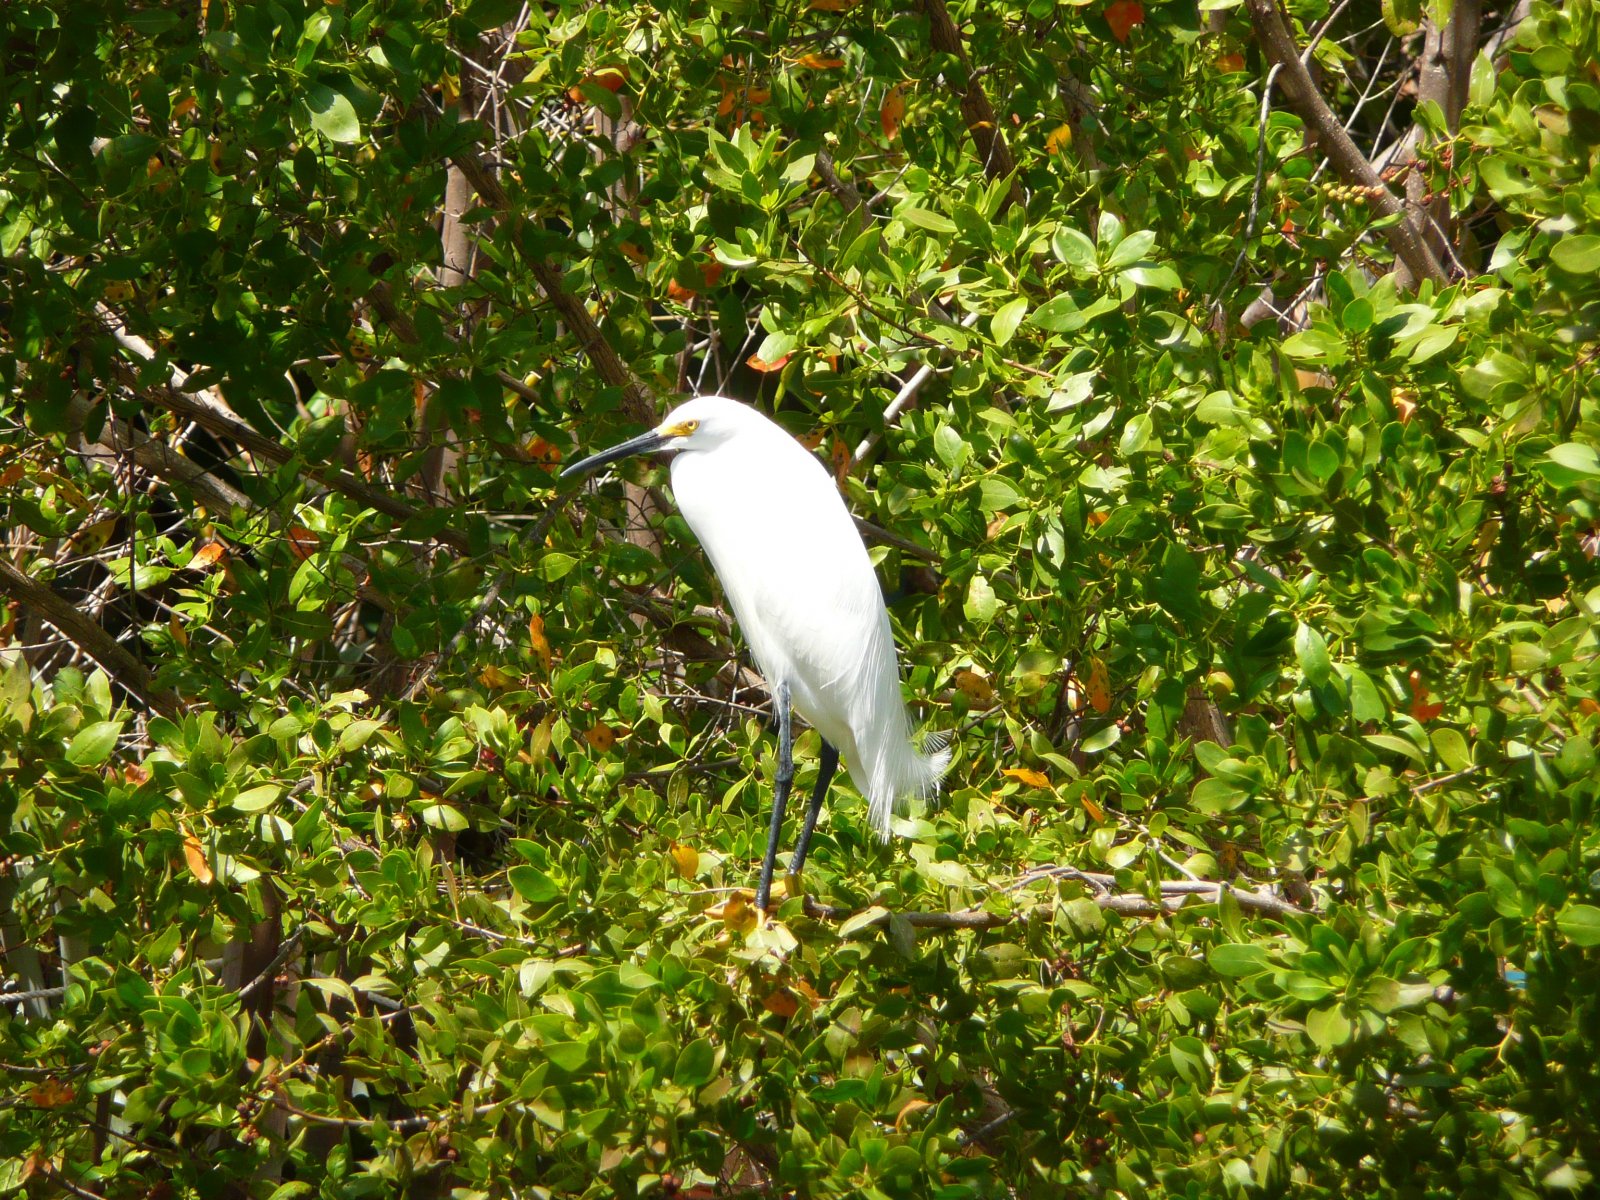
(780, 792)
(825, 770)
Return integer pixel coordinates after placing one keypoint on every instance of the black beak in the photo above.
(643, 444)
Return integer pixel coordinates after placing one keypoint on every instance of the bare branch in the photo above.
(1405, 235)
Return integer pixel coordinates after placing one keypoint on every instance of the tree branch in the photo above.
(1175, 893)
(998, 162)
(215, 419)
(99, 645)
(1404, 235)
(638, 400)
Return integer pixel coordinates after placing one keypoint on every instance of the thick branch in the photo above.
(855, 208)
(976, 110)
(638, 401)
(99, 645)
(1405, 237)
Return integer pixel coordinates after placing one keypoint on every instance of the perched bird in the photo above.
(805, 596)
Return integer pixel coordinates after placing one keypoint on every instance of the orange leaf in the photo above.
(1422, 708)
(1060, 138)
(493, 677)
(841, 461)
(195, 855)
(1122, 16)
(892, 110)
(53, 1093)
(819, 62)
(179, 633)
(1096, 813)
(207, 556)
(537, 642)
(686, 860)
(633, 253)
(1589, 707)
(911, 1106)
(974, 686)
(780, 1001)
(1036, 779)
(600, 737)
(302, 542)
(676, 291)
(1230, 63)
(737, 914)
(711, 272)
(1099, 685)
(542, 452)
(757, 363)
(810, 440)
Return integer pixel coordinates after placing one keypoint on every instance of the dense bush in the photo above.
(374, 811)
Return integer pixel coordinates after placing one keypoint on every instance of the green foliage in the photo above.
(1312, 606)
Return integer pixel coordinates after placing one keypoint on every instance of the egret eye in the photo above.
(689, 427)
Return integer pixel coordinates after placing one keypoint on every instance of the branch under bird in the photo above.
(806, 598)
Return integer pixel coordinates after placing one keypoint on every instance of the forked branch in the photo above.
(1405, 235)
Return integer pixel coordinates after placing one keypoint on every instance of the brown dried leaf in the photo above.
(974, 686)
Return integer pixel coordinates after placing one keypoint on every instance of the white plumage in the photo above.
(804, 594)
(803, 591)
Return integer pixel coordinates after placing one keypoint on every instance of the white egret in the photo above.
(804, 595)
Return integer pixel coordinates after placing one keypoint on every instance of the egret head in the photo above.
(703, 423)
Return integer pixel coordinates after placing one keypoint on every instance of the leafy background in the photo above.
(375, 811)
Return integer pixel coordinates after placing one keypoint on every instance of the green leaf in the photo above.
(981, 603)
(1570, 464)
(1238, 960)
(1577, 254)
(697, 1062)
(1328, 1028)
(867, 918)
(1316, 346)
(1103, 740)
(332, 114)
(442, 816)
(1003, 325)
(257, 799)
(1580, 924)
(1311, 652)
(924, 218)
(997, 493)
(93, 744)
(1073, 248)
(533, 885)
(1451, 748)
